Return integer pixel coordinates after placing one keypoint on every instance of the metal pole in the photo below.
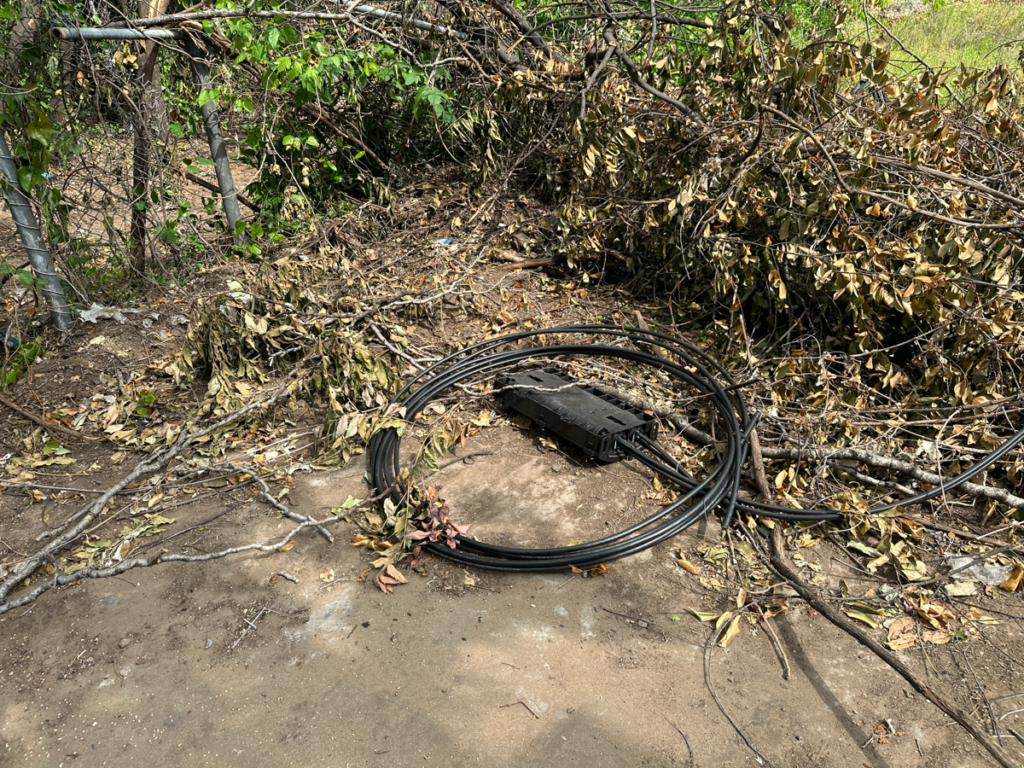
(94, 33)
(380, 13)
(234, 13)
(211, 121)
(25, 220)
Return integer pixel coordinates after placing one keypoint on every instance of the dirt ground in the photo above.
(230, 663)
(297, 658)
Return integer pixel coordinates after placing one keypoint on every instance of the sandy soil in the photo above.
(229, 663)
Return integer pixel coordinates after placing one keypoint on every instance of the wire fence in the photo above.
(111, 149)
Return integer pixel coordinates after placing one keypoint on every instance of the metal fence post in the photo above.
(25, 220)
(218, 150)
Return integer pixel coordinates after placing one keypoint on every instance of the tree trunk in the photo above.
(140, 192)
(153, 102)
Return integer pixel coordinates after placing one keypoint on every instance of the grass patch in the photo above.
(967, 32)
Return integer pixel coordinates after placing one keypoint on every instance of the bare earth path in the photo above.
(224, 664)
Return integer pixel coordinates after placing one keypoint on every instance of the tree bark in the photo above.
(153, 102)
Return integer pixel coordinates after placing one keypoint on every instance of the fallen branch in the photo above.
(71, 528)
(819, 604)
(897, 465)
(60, 579)
(43, 422)
(293, 516)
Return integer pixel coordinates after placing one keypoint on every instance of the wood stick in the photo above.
(43, 422)
(813, 599)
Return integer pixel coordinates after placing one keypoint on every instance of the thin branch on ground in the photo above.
(813, 598)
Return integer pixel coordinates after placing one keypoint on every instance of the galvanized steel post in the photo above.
(25, 220)
(101, 33)
(218, 150)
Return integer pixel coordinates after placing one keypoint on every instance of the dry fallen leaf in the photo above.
(902, 642)
(936, 638)
(287, 547)
(386, 583)
(1012, 584)
(724, 617)
(327, 576)
(901, 625)
(731, 632)
(686, 565)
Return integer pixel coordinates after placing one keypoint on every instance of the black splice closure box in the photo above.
(583, 415)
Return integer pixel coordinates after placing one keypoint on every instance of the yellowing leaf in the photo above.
(686, 565)
(704, 615)
(731, 632)
(863, 617)
(864, 549)
(1012, 584)
(287, 547)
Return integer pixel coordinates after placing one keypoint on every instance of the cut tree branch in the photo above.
(814, 599)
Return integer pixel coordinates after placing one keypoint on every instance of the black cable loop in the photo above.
(719, 490)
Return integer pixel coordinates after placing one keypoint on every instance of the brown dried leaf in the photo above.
(395, 574)
(901, 625)
(1012, 584)
(287, 547)
(386, 585)
(687, 566)
(904, 641)
(731, 632)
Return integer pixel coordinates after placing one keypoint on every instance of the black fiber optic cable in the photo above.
(719, 490)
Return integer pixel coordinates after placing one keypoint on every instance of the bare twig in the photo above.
(80, 520)
(821, 606)
(708, 650)
(887, 462)
(44, 423)
(514, 703)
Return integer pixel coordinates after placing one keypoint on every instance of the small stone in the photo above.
(642, 624)
(125, 642)
(209, 643)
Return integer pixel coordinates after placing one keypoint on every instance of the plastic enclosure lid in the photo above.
(586, 417)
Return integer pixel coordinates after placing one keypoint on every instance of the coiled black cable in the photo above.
(684, 362)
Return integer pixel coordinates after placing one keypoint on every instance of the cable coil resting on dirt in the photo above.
(719, 490)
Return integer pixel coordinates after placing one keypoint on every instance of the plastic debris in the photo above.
(990, 575)
(12, 341)
(97, 312)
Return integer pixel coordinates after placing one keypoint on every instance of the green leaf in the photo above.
(27, 178)
(864, 549)
(40, 130)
